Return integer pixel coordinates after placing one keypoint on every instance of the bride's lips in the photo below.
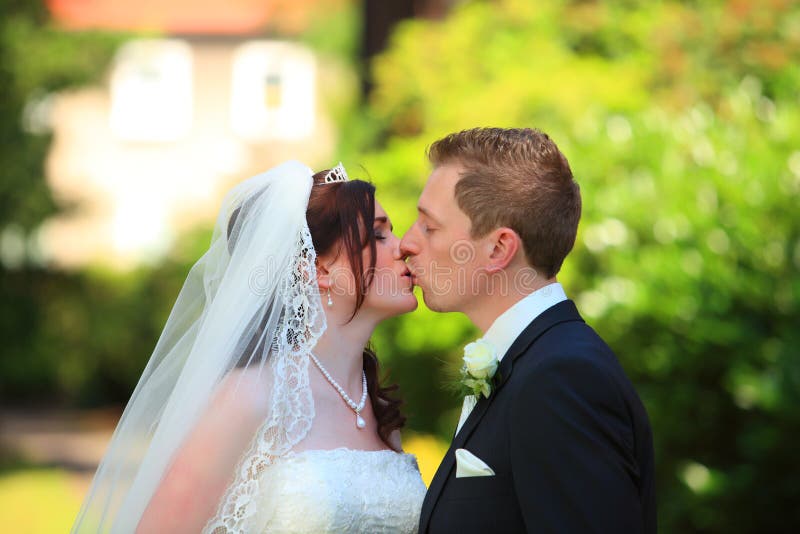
(408, 274)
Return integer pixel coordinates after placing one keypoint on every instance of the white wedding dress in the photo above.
(342, 490)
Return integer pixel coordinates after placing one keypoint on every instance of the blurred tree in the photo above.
(682, 124)
(24, 198)
(35, 61)
(380, 19)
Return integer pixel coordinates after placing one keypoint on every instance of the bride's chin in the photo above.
(404, 304)
(412, 304)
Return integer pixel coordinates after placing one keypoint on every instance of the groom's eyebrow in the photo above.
(427, 214)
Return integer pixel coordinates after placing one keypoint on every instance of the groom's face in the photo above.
(439, 249)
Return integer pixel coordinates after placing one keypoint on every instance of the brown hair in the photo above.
(515, 177)
(343, 213)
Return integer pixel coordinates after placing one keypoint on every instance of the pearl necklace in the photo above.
(360, 423)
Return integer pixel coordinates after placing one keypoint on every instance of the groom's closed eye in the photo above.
(425, 219)
(427, 229)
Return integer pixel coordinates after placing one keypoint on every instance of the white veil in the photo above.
(250, 305)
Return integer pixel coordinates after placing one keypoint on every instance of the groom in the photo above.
(562, 443)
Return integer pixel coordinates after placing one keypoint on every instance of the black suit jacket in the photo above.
(566, 435)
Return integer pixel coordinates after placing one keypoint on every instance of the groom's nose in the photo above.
(408, 245)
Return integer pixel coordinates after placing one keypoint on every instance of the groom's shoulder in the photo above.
(573, 340)
(573, 352)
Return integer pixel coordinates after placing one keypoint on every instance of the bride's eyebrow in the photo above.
(384, 220)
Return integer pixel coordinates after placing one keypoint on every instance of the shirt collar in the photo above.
(510, 324)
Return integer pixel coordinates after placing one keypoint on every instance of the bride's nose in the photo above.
(396, 252)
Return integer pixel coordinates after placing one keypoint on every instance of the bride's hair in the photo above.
(343, 212)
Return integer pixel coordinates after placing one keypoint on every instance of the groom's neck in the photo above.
(486, 307)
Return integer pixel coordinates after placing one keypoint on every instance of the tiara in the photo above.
(336, 174)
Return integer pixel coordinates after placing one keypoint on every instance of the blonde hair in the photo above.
(515, 178)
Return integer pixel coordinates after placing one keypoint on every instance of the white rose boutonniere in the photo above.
(480, 366)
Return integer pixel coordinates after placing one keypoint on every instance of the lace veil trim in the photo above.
(292, 408)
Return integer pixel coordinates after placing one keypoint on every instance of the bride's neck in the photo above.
(340, 349)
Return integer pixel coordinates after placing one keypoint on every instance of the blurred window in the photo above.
(151, 90)
(272, 94)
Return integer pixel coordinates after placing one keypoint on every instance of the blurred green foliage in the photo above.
(36, 60)
(681, 121)
(40, 311)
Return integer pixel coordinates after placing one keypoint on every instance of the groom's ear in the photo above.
(505, 243)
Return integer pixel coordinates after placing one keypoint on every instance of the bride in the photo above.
(260, 409)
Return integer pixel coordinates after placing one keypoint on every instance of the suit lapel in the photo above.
(562, 312)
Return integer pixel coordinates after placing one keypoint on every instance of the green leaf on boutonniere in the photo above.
(461, 383)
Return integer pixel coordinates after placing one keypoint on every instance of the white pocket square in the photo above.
(469, 465)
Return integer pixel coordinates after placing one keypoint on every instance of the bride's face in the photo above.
(392, 289)
(390, 292)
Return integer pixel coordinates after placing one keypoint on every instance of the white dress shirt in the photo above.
(510, 324)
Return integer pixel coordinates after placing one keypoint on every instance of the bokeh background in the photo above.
(122, 124)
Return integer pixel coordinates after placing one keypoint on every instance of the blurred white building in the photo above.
(180, 119)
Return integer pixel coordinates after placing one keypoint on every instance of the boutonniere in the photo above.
(480, 366)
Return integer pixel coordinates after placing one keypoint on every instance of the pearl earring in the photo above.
(330, 301)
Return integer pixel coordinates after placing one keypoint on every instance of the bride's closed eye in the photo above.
(379, 232)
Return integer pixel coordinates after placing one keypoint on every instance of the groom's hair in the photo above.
(517, 178)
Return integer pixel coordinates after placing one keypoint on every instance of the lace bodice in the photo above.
(342, 490)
